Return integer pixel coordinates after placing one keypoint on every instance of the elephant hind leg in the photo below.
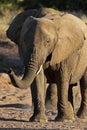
(70, 95)
(51, 97)
(82, 112)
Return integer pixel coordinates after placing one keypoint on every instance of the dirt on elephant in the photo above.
(16, 104)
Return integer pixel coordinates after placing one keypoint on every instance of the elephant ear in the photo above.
(15, 27)
(66, 45)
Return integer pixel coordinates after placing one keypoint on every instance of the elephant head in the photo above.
(15, 27)
(35, 35)
(41, 40)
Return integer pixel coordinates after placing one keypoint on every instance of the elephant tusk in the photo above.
(39, 70)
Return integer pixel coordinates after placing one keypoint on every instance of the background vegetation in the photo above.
(57, 4)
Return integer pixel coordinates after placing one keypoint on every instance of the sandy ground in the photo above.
(16, 105)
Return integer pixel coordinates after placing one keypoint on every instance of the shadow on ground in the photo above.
(12, 119)
(16, 129)
(17, 105)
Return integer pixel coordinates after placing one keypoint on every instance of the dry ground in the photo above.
(16, 105)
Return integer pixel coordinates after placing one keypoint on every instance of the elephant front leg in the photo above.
(65, 108)
(38, 97)
(82, 112)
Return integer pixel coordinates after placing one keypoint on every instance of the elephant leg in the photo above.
(65, 108)
(51, 96)
(34, 100)
(39, 99)
(82, 112)
(71, 95)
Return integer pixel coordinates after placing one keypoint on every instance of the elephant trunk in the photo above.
(29, 75)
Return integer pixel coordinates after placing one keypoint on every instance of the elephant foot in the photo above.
(64, 118)
(32, 118)
(39, 118)
(65, 113)
(82, 113)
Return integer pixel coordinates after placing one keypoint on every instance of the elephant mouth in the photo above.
(39, 70)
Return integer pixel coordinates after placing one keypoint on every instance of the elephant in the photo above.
(53, 48)
(15, 29)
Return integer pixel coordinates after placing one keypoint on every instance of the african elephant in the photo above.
(54, 50)
(15, 29)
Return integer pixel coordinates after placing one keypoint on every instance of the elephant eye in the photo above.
(48, 40)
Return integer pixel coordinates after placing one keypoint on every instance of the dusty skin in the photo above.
(15, 104)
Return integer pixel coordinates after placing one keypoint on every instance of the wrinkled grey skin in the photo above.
(54, 50)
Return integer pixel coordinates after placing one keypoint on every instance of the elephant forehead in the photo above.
(38, 28)
(45, 24)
